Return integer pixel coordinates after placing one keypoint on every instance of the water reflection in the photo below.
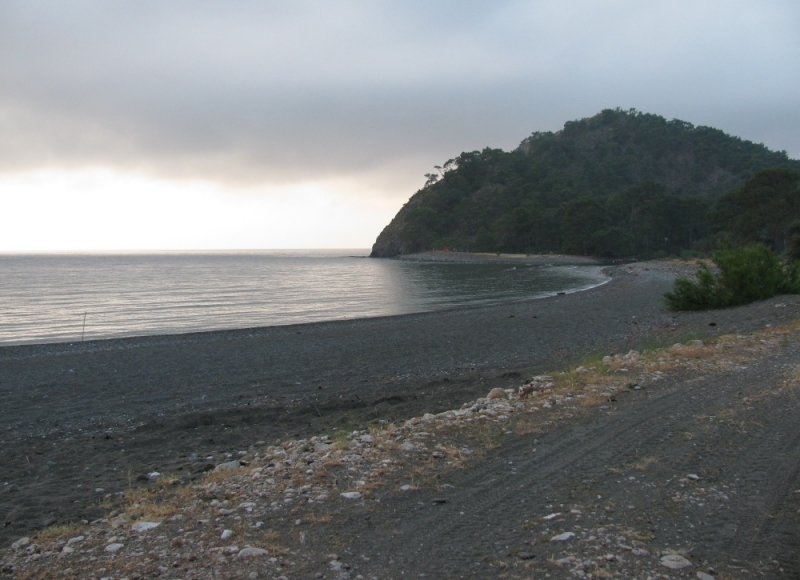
(44, 298)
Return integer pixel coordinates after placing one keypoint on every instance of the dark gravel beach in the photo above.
(83, 420)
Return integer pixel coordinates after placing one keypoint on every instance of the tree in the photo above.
(431, 179)
(762, 209)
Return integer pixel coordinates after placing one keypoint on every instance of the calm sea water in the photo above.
(45, 298)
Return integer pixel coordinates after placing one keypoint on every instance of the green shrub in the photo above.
(745, 274)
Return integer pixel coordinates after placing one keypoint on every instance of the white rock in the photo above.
(497, 393)
(563, 537)
(693, 477)
(154, 475)
(111, 548)
(21, 543)
(407, 487)
(67, 550)
(226, 534)
(252, 553)
(675, 561)
(227, 466)
(551, 516)
(366, 438)
(704, 576)
(144, 526)
(75, 540)
(351, 495)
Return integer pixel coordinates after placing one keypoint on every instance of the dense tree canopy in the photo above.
(621, 183)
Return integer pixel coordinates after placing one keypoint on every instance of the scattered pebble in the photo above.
(675, 561)
(144, 526)
(252, 553)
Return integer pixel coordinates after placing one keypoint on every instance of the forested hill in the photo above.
(621, 183)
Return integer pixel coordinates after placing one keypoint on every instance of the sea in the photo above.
(70, 298)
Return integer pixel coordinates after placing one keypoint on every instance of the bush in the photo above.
(745, 274)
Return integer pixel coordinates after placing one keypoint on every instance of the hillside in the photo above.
(621, 183)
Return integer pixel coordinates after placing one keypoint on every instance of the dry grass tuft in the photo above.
(316, 519)
(58, 532)
(225, 474)
(644, 463)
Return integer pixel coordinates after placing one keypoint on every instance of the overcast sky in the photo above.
(200, 125)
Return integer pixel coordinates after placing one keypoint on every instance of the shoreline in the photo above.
(651, 502)
(129, 407)
(489, 258)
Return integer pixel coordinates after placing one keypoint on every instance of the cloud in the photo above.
(252, 93)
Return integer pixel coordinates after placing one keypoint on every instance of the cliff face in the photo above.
(619, 183)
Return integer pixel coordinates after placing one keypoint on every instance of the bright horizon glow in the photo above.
(98, 210)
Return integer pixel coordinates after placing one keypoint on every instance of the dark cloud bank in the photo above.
(269, 92)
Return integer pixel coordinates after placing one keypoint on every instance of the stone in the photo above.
(252, 552)
(563, 537)
(694, 477)
(21, 543)
(153, 475)
(704, 576)
(675, 561)
(351, 495)
(526, 555)
(226, 534)
(497, 393)
(112, 548)
(144, 526)
(366, 438)
(67, 550)
(75, 540)
(228, 466)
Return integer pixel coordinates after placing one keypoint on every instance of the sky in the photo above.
(208, 125)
